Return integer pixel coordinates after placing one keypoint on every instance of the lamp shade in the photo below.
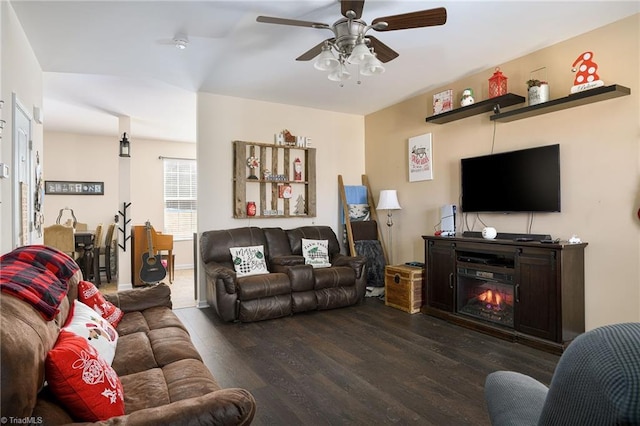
(388, 200)
(359, 54)
(326, 60)
(339, 73)
(371, 66)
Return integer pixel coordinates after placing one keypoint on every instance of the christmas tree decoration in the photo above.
(300, 206)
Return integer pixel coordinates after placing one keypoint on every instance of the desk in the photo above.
(84, 247)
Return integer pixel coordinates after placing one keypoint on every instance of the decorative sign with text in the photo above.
(420, 158)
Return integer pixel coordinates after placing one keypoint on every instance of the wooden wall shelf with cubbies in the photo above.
(265, 190)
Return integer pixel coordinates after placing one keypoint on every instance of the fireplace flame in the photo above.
(491, 298)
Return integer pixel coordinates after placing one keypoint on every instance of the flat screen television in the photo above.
(526, 180)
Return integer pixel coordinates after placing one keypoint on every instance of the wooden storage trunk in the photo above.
(403, 287)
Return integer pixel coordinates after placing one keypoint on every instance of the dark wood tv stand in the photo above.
(545, 282)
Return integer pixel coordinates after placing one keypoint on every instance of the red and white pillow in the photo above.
(82, 380)
(91, 296)
(88, 324)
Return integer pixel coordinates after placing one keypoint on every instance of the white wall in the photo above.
(22, 75)
(338, 139)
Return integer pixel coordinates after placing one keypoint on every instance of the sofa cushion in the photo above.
(82, 380)
(88, 324)
(265, 308)
(249, 260)
(214, 245)
(133, 354)
(26, 339)
(257, 286)
(313, 233)
(177, 381)
(277, 242)
(149, 339)
(337, 276)
(316, 253)
(89, 294)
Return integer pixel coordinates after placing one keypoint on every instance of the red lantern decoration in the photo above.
(497, 84)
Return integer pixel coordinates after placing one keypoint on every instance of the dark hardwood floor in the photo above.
(362, 365)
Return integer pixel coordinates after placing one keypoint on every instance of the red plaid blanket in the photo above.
(38, 275)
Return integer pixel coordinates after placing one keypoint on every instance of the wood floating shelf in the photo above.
(477, 108)
(573, 100)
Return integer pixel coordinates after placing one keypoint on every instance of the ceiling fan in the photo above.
(350, 43)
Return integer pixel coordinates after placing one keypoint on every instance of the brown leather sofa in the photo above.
(291, 286)
(164, 379)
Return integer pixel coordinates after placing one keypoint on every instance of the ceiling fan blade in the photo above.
(294, 22)
(354, 5)
(314, 51)
(423, 18)
(383, 52)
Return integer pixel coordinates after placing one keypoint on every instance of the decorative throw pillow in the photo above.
(91, 296)
(249, 260)
(82, 380)
(316, 253)
(88, 324)
(359, 212)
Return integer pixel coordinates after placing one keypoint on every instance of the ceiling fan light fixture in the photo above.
(340, 73)
(372, 66)
(326, 61)
(360, 53)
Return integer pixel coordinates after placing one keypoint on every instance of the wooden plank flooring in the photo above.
(363, 365)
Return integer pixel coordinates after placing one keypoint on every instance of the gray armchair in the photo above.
(596, 382)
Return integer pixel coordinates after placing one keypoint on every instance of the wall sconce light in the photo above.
(125, 148)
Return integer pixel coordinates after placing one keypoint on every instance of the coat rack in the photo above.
(123, 229)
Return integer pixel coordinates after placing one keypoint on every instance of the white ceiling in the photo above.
(106, 59)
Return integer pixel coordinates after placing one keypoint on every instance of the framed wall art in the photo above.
(62, 187)
(420, 158)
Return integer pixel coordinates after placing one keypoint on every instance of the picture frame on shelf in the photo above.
(443, 101)
(420, 156)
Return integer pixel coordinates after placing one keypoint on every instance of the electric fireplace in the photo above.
(486, 295)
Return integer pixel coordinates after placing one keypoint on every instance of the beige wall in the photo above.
(338, 139)
(21, 75)
(600, 164)
(95, 158)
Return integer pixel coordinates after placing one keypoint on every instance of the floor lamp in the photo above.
(389, 201)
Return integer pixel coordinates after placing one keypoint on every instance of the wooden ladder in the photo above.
(347, 220)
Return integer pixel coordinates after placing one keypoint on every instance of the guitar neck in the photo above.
(149, 240)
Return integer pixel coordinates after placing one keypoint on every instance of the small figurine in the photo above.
(587, 76)
(297, 170)
(467, 97)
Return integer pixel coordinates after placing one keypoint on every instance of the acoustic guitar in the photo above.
(152, 270)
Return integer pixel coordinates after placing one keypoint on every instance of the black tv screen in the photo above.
(526, 180)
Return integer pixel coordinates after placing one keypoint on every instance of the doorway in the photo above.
(23, 193)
